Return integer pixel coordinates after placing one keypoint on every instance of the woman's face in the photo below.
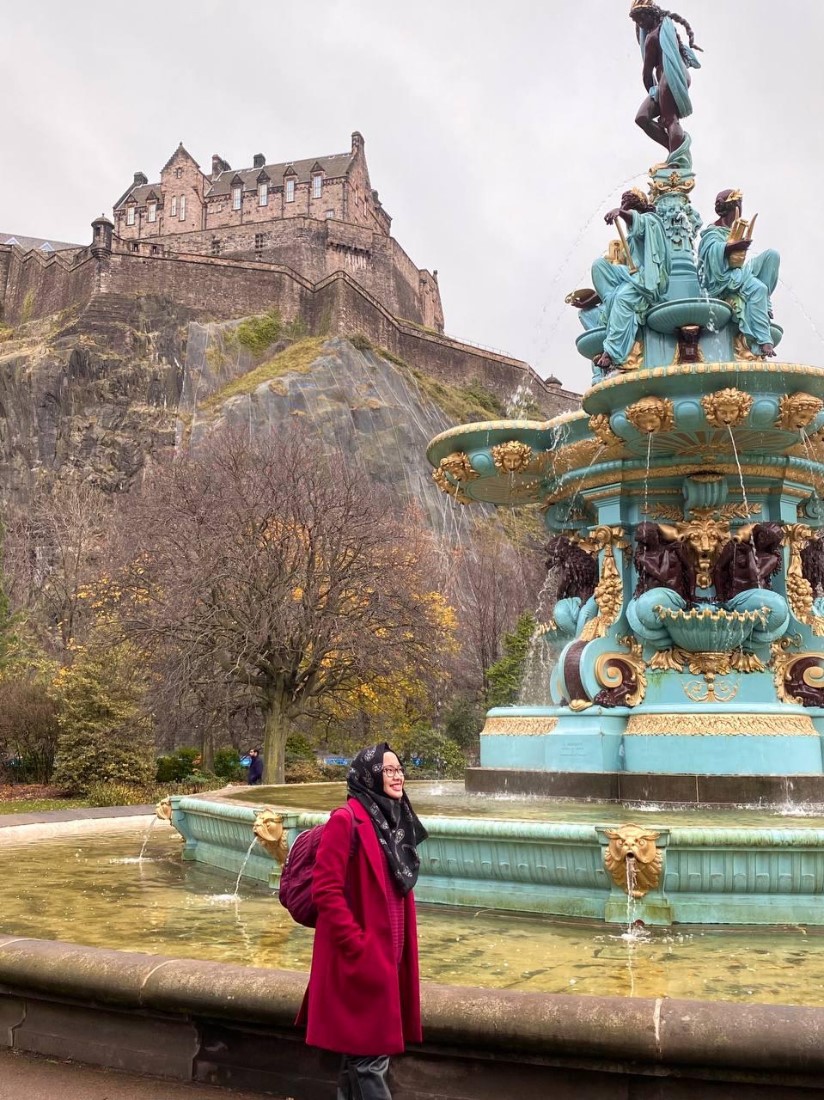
(392, 776)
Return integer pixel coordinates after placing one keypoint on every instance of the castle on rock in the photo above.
(316, 215)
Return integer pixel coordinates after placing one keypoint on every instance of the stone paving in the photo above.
(29, 1077)
(75, 813)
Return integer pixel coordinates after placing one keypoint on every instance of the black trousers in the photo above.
(364, 1078)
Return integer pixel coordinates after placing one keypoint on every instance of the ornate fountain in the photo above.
(684, 508)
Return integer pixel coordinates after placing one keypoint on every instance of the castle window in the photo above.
(317, 186)
(152, 211)
(290, 190)
(182, 208)
(135, 247)
(330, 214)
(178, 173)
(260, 240)
(174, 206)
(215, 246)
(129, 215)
(263, 194)
(237, 196)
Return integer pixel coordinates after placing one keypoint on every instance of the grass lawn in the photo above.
(36, 805)
(34, 799)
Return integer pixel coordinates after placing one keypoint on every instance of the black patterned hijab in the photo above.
(396, 823)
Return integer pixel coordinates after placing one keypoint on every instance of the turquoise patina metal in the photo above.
(709, 874)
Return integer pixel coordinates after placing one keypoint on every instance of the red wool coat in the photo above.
(359, 1001)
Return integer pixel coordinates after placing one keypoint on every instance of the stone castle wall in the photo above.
(33, 285)
(5, 262)
(212, 287)
(317, 249)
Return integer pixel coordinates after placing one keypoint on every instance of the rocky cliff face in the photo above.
(90, 396)
(98, 394)
(345, 397)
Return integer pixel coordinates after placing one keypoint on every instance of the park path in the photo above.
(29, 1077)
(75, 813)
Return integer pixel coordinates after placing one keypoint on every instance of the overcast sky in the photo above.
(496, 134)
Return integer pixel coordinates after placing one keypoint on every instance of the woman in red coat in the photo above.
(363, 998)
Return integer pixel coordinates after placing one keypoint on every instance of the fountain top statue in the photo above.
(666, 65)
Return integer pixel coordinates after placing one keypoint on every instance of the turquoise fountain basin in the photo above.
(714, 869)
(709, 313)
(92, 890)
(590, 344)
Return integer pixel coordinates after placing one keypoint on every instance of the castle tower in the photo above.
(102, 230)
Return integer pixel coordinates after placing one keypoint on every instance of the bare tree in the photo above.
(497, 579)
(282, 571)
(53, 553)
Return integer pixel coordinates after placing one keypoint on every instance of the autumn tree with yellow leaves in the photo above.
(277, 568)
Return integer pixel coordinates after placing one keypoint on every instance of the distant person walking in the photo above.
(255, 767)
(363, 999)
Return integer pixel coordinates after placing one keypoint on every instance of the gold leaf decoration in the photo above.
(512, 457)
(640, 845)
(726, 408)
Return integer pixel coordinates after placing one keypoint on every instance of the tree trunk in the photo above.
(207, 748)
(275, 733)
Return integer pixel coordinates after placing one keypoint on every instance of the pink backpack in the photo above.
(296, 878)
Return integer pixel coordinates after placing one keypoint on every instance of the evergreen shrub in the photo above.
(176, 766)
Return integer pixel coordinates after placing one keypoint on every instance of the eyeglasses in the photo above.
(393, 773)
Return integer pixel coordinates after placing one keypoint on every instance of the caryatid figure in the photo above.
(743, 580)
(628, 290)
(747, 286)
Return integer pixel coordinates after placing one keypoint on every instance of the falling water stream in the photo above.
(740, 471)
(646, 474)
(243, 866)
(146, 836)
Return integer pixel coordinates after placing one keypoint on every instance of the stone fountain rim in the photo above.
(645, 1032)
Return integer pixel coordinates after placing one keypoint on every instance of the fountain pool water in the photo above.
(84, 890)
(449, 798)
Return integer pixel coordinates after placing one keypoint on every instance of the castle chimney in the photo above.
(259, 160)
(139, 178)
(219, 165)
(358, 142)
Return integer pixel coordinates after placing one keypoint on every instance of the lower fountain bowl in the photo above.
(710, 630)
